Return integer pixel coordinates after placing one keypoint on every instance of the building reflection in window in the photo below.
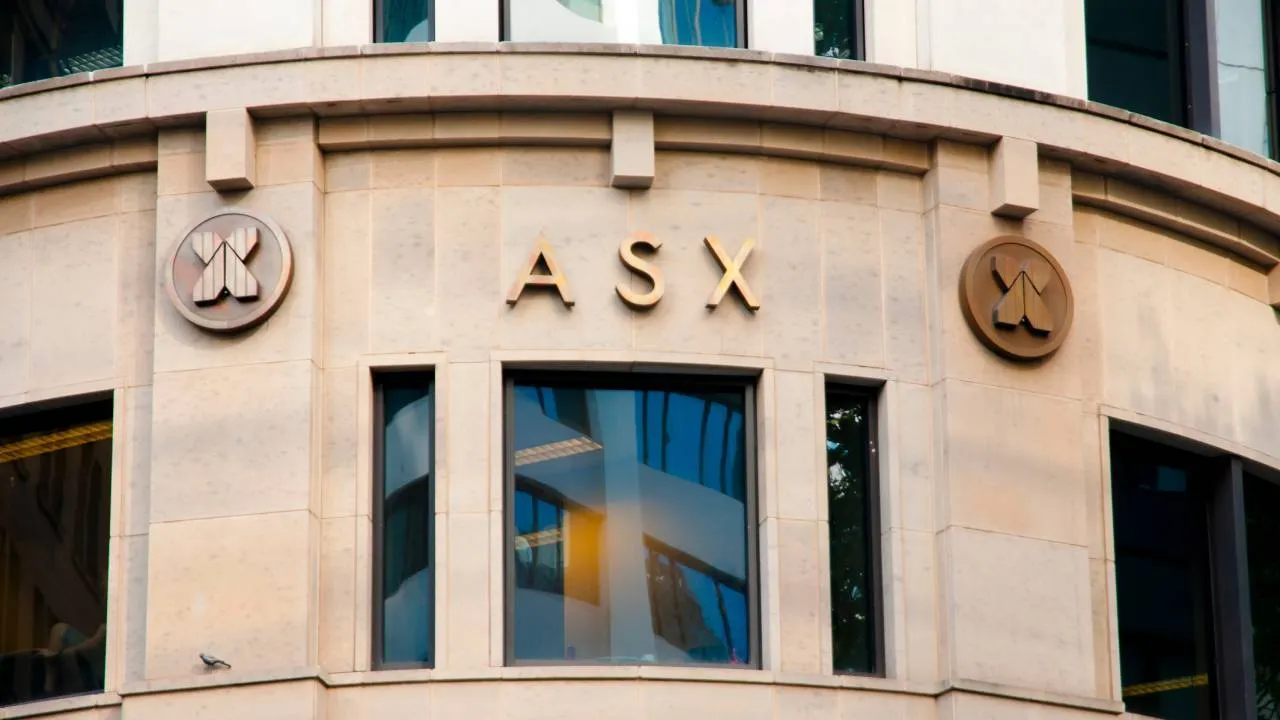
(710, 23)
(1262, 528)
(630, 523)
(1160, 505)
(42, 39)
(55, 491)
(407, 592)
(400, 21)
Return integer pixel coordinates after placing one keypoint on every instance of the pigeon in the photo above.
(214, 662)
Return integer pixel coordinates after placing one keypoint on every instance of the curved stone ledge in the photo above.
(739, 84)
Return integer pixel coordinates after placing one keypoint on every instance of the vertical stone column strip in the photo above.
(230, 159)
(632, 149)
(1273, 287)
(1015, 178)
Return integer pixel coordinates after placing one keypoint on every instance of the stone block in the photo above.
(337, 608)
(218, 450)
(853, 295)
(800, 481)
(699, 700)
(347, 265)
(15, 322)
(298, 700)
(212, 589)
(800, 579)
(402, 270)
(632, 149)
(230, 150)
(1015, 178)
(466, 592)
(543, 166)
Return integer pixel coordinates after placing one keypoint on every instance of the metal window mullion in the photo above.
(1200, 67)
(1229, 570)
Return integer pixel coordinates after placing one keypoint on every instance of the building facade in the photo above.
(639, 359)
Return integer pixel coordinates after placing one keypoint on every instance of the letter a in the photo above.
(627, 252)
(542, 253)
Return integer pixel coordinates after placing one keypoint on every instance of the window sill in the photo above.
(70, 703)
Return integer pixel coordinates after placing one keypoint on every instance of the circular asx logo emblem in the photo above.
(1016, 298)
(229, 271)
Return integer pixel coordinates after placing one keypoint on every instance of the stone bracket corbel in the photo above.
(632, 149)
(1015, 178)
(230, 151)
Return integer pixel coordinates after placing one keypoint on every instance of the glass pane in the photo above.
(1162, 581)
(835, 28)
(407, 457)
(1272, 20)
(42, 40)
(1262, 523)
(405, 21)
(849, 510)
(630, 524)
(1134, 55)
(55, 490)
(712, 23)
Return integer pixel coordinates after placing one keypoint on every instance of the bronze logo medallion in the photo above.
(1016, 298)
(230, 270)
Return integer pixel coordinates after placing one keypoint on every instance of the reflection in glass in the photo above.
(1134, 52)
(849, 504)
(710, 23)
(55, 490)
(835, 28)
(1262, 528)
(1162, 581)
(404, 21)
(40, 39)
(407, 457)
(629, 512)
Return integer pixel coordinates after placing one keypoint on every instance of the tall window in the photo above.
(1136, 58)
(399, 21)
(631, 520)
(837, 29)
(41, 39)
(403, 525)
(715, 23)
(1197, 547)
(1272, 21)
(851, 502)
(55, 494)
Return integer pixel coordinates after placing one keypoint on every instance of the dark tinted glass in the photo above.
(1262, 522)
(836, 28)
(41, 39)
(630, 522)
(407, 591)
(404, 21)
(1271, 18)
(849, 508)
(55, 493)
(1162, 580)
(1135, 56)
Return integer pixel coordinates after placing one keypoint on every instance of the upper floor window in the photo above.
(851, 512)
(403, 522)
(42, 39)
(397, 21)
(1196, 547)
(55, 496)
(630, 520)
(715, 23)
(1272, 17)
(837, 29)
(1135, 51)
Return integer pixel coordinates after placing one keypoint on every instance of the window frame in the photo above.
(379, 29)
(872, 393)
(377, 379)
(1231, 630)
(740, 17)
(1271, 19)
(671, 380)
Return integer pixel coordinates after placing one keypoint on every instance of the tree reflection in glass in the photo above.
(629, 517)
(1262, 522)
(849, 512)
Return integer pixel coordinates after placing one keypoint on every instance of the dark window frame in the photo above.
(378, 377)
(740, 17)
(621, 378)
(378, 23)
(1271, 19)
(871, 393)
(859, 31)
(1231, 630)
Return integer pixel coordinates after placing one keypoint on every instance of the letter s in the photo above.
(641, 267)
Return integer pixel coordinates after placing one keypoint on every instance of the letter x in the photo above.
(224, 271)
(732, 274)
(1022, 283)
